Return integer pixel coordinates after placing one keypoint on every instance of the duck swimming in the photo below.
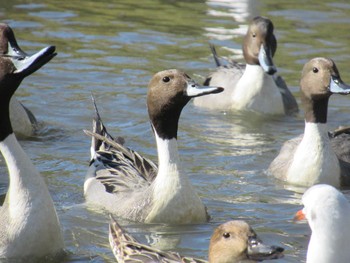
(254, 86)
(23, 121)
(131, 186)
(29, 226)
(234, 241)
(328, 214)
(312, 158)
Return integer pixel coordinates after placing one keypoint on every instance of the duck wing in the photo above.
(340, 141)
(117, 167)
(127, 249)
(279, 166)
(231, 70)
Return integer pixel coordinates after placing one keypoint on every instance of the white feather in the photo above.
(174, 198)
(314, 160)
(258, 92)
(28, 220)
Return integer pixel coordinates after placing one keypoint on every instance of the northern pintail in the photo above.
(310, 158)
(233, 241)
(23, 121)
(131, 186)
(254, 86)
(29, 226)
(328, 214)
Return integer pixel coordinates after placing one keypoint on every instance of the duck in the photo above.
(29, 226)
(253, 86)
(340, 140)
(24, 123)
(128, 185)
(233, 241)
(328, 213)
(311, 158)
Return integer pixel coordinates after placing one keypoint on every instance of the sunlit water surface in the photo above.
(111, 49)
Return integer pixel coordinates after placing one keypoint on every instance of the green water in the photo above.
(112, 48)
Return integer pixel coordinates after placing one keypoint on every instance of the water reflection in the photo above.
(241, 12)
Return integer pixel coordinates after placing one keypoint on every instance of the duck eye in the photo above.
(166, 79)
(315, 70)
(226, 235)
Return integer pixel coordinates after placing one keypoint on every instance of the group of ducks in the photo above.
(131, 186)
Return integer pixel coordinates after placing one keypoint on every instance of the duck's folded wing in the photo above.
(117, 167)
(279, 166)
(144, 254)
(231, 70)
(120, 168)
(229, 62)
(127, 249)
(289, 101)
(340, 140)
(136, 252)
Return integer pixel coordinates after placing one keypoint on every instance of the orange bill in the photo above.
(299, 216)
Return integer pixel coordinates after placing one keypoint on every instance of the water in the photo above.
(112, 48)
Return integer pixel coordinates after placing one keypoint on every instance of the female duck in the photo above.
(310, 158)
(29, 225)
(130, 186)
(234, 241)
(251, 87)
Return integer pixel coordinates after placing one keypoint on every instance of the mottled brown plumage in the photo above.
(231, 242)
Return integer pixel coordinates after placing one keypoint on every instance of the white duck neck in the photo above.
(314, 160)
(17, 160)
(174, 198)
(257, 91)
(317, 132)
(168, 158)
(24, 177)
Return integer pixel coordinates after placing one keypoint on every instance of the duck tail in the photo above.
(118, 236)
(215, 55)
(99, 128)
(115, 235)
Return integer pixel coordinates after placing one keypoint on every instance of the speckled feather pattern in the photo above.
(127, 249)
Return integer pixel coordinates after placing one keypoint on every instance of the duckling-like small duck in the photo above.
(29, 226)
(328, 213)
(311, 158)
(254, 86)
(232, 242)
(131, 186)
(23, 121)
